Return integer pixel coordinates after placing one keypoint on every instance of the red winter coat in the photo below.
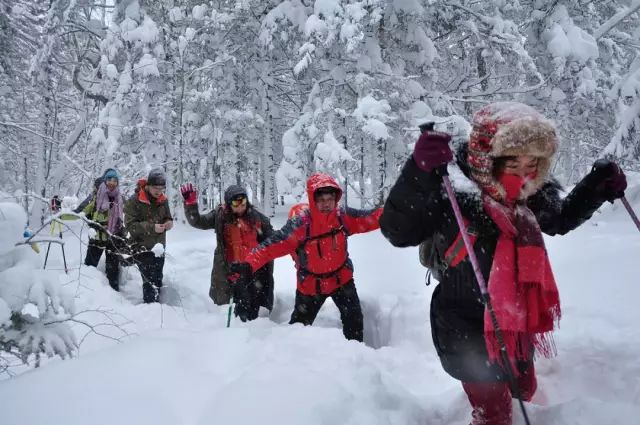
(240, 237)
(319, 241)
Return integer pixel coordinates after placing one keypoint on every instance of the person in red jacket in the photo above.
(317, 237)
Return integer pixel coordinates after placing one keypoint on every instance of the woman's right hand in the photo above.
(432, 150)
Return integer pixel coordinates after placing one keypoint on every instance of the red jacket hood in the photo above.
(315, 182)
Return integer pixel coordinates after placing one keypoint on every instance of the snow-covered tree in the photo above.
(266, 92)
(132, 123)
(34, 307)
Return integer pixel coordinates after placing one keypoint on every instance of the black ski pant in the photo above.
(249, 298)
(346, 299)
(112, 266)
(150, 268)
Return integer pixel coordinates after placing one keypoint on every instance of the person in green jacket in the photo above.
(147, 219)
(105, 208)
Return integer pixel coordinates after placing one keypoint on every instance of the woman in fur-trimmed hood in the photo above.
(508, 157)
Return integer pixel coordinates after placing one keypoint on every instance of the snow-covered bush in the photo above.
(34, 308)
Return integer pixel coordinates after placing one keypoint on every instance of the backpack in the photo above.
(437, 255)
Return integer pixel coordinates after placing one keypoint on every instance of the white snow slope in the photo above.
(181, 365)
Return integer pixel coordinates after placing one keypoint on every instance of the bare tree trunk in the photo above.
(269, 196)
(240, 161)
(362, 174)
(26, 189)
(381, 170)
(345, 164)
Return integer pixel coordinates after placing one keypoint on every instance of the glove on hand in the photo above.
(432, 150)
(240, 275)
(609, 180)
(189, 194)
(243, 269)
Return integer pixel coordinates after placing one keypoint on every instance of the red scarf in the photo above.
(521, 285)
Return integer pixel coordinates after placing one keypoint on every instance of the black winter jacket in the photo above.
(417, 207)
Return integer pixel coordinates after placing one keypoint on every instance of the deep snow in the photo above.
(181, 365)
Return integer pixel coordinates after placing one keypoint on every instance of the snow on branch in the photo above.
(616, 19)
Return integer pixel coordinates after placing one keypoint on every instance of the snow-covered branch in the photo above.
(616, 19)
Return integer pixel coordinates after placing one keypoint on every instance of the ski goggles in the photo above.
(239, 201)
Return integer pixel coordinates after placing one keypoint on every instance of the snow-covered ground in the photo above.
(179, 364)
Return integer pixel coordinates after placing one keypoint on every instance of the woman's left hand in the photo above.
(610, 181)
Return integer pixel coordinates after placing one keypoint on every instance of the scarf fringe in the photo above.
(517, 344)
(545, 345)
(520, 346)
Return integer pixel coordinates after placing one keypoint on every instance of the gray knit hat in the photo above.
(156, 178)
(233, 191)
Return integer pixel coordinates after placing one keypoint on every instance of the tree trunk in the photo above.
(269, 196)
(345, 164)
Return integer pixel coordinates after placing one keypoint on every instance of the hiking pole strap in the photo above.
(632, 213)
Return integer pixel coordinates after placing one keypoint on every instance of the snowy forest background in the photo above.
(265, 92)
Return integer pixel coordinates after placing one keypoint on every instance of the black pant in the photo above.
(112, 268)
(251, 297)
(150, 268)
(346, 299)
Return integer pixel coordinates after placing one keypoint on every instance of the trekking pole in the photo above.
(480, 279)
(229, 312)
(633, 215)
(46, 256)
(64, 257)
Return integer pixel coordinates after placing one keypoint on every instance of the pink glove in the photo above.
(432, 150)
(189, 194)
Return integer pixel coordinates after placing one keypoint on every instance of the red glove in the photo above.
(432, 150)
(189, 194)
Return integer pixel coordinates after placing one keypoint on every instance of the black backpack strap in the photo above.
(342, 225)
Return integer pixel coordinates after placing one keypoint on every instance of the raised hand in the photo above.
(432, 150)
(609, 180)
(189, 194)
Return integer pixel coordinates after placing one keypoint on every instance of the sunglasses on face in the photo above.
(237, 202)
(159, 188)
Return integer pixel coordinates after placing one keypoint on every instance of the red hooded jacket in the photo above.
(319, 241)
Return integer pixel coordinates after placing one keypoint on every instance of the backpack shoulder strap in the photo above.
(457, 251)
(341, 221)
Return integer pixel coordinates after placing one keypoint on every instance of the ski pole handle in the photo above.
(427, 126)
